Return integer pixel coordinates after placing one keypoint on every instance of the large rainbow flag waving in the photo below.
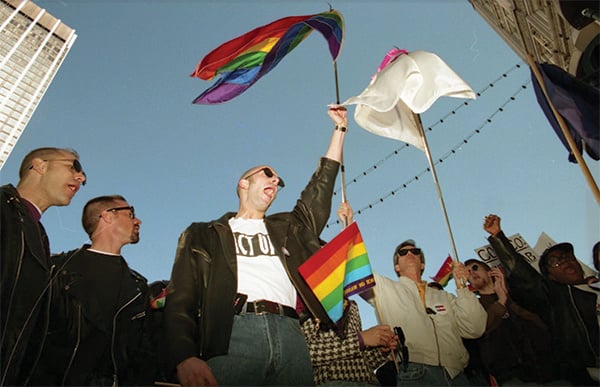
(339, 269)
(244, 60)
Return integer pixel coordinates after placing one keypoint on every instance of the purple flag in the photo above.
(578, 104)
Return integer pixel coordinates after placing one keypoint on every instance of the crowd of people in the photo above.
(236, 311)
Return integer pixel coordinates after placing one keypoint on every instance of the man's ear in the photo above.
(38, 165)
(243, 184)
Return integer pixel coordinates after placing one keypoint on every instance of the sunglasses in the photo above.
(269, 173)
(414, 250)
(115, 209)
(76, 167)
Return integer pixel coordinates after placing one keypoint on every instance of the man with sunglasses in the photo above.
(98, 305)
(231, 312)
(560, 294)
(47, 177)
(434, 321)
(515, 348)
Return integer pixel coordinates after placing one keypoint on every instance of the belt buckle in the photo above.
(266, 307)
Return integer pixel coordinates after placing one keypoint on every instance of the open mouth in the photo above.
(73, 188)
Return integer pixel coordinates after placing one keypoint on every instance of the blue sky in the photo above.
(123, 100)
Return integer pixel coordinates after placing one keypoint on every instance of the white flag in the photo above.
(410, 83)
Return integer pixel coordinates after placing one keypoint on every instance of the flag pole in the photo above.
(565, 130)
(417, 118)
(342, 168)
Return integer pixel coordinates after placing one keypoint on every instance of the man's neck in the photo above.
(416, 277)
(106, 247)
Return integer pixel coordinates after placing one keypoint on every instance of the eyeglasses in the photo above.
(414, 250)
(115, 209)
(557, 260)
(76, 167)
(269, 173)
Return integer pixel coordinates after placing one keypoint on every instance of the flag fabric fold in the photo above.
(244, 60)
(407, 83)
(159, 301)
(339, 269)
(577, 102)
(444, 274)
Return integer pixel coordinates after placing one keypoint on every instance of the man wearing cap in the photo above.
(231, 308)
(434, 321)
(561, 296)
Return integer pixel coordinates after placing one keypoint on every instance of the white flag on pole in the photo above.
(410, 83)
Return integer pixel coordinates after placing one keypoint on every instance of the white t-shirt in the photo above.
(261, 274)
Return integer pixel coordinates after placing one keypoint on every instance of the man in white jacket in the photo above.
(433, 321)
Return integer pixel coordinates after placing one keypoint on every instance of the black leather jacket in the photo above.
(95, 340)
(24, 276)
(199, 307)
(569, 311)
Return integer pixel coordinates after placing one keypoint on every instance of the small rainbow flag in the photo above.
(158, 302)
(339, 269)
(244, 60)
(445, 273)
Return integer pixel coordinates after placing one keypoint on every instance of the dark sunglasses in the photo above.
(130, 208)
(269, 173)
(414, 250)
(76, 167)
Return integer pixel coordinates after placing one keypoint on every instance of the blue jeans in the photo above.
(264, 350)
(419, 374)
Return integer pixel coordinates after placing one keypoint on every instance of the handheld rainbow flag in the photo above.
(339, 269)
(244, 60)
(158, 302)
(444, 273)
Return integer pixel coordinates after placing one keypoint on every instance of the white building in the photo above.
(33, 45)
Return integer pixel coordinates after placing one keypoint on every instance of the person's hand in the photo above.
(195, 372)
(499, 285)
(345, 214)
(380, 336)
(339, 115)
(460, 274)
(491, 224)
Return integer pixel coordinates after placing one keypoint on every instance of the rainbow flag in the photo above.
(159, 301)
(244, 60)
(444, 273)
(339, 269)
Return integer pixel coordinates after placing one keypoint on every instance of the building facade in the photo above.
(561, 32)
(33, 45)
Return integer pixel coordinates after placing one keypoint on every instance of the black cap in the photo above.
(543, 262)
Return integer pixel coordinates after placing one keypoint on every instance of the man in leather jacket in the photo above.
(98, 306)
(47, 177)
(213, 334)
(561, 296)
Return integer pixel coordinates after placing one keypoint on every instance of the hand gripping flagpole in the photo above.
(437, 184)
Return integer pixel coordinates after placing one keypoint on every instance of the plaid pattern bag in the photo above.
(337, 355)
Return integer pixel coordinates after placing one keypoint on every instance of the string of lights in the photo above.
(446, 155)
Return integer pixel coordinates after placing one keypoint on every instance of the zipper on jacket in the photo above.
(11, 299)
(580, 320)
(112, 341)
(76, 347)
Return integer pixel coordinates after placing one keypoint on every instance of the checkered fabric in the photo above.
(339, 357)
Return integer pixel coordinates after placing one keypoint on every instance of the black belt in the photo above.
(264, 307)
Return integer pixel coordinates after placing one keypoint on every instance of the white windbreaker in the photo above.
(432, 338)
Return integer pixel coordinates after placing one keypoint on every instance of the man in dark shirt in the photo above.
(99, 305)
